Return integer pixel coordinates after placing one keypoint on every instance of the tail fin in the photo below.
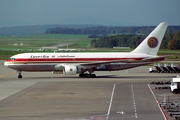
(150, 45)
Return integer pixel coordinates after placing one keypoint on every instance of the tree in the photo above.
(170, 44)
(177, 45)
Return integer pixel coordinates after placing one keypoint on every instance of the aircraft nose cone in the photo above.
(5, 64)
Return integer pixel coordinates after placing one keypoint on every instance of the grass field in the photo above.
(39, 41)
(11, 45)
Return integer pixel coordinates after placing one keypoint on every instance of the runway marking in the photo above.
(134, 102)
(7, 74)
(164, 115)
(110, 104)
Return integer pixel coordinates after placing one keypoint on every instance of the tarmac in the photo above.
(111, 96)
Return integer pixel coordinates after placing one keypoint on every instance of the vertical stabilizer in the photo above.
(150, 45)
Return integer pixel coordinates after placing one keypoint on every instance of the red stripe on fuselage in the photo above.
(69, 59)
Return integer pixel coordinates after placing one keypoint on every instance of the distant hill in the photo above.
(35, 29)
(78, 29)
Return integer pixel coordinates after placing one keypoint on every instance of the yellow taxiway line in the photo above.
(7, 74)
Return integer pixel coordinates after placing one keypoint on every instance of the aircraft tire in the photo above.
(19, 76)
(93, 75)
(81, 75)
(87, 75)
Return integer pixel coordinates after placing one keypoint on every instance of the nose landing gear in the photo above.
(19, 74)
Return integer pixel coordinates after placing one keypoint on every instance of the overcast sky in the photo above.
(101, 12)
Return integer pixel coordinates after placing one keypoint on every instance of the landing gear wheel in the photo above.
(19, 76)
(87, 75)
(93, 75)
(81, 75)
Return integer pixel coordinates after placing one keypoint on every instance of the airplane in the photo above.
(85, 64)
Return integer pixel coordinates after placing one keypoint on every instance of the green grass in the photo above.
(9, 45)
(38, 41)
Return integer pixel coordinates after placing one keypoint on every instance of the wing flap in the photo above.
(159, 58)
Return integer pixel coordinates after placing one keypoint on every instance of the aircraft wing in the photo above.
(93, 65)
(96, 64)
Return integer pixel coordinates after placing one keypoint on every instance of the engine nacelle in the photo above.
(102, 67)
(70, 70)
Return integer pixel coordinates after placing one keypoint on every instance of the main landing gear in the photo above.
(81, 75)
(19, 74)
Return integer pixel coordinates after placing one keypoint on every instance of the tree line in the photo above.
(124, 40)
(107, 30)
(170, 41)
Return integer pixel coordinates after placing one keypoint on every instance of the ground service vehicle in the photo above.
(175, 85)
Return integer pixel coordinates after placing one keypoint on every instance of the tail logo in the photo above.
(152, 42)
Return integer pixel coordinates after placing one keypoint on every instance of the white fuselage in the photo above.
(48, 61)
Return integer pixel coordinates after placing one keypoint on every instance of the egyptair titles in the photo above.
(39, 56)
(46, 56)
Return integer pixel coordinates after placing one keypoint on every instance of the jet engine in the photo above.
(68, 69)
(71, 70)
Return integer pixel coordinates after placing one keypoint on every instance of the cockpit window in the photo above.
(12, 59)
